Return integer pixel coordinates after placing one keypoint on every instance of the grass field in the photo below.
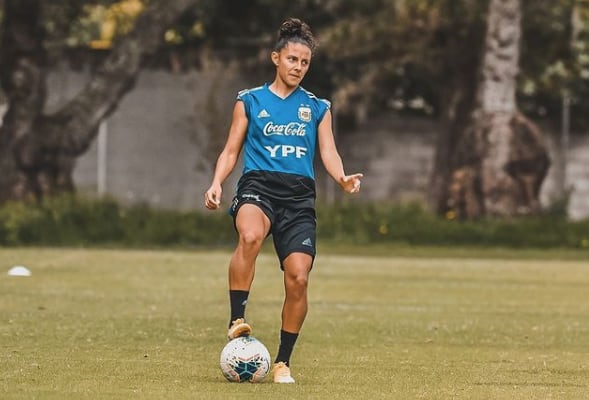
(124, 324)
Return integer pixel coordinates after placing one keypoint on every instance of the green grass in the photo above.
(122, 324)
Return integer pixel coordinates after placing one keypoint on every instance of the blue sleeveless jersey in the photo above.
(282, 133)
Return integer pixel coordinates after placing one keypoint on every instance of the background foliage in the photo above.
(379, 55)
(69, 221)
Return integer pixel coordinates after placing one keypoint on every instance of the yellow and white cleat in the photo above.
(239, 328)
(281, 373)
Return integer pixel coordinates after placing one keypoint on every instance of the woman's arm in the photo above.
(331, 158)
(228, 157)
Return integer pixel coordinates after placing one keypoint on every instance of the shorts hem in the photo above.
(266, 212)
(304, 250)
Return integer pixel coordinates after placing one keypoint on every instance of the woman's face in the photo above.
(292, 63)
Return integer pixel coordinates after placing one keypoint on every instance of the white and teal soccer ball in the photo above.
(245, 359)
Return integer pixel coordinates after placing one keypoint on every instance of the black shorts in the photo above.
(289, 202)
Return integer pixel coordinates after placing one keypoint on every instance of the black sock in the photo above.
(287, 342)
(238, 301)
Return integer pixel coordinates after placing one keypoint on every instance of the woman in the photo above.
(278, 125)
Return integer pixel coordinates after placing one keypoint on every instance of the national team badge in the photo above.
(305, 114)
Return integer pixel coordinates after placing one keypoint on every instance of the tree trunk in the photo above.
(501, 159)
(457, 83)
(22, 74)
(38, 152)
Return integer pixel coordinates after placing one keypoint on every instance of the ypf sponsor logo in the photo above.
(285, 150)
(290, 129)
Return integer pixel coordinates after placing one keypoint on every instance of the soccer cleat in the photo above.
(239, 328)
(282, 373)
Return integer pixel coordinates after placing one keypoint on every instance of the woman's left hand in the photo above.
(351, 183)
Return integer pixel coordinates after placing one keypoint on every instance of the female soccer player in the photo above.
(278, 125)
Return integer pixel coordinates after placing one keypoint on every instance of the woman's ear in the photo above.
(275, 56)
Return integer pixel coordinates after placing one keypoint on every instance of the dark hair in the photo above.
(295, 30)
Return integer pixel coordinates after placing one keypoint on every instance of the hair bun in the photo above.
(293, 29)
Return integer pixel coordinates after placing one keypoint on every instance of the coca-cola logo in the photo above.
(290, 129)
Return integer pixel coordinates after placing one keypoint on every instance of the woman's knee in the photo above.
(251, 239)
(297, 282)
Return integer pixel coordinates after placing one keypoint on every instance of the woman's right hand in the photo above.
(213, 197)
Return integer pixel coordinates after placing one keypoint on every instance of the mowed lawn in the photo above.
(131, 324)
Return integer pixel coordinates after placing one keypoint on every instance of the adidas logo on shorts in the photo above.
(307, 242)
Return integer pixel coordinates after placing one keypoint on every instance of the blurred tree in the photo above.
(434, 57)
(399, 56)
(418, 57)
(578, 89)
(38, 150)
(500, 160)
(412, 56)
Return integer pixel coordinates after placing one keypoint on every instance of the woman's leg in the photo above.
(252, 228)
(297, 267)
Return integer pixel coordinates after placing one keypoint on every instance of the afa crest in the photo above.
(305, 114)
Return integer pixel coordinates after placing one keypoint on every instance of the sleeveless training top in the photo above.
(282, 133)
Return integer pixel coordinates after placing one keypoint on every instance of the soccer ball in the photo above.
(245, 359)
